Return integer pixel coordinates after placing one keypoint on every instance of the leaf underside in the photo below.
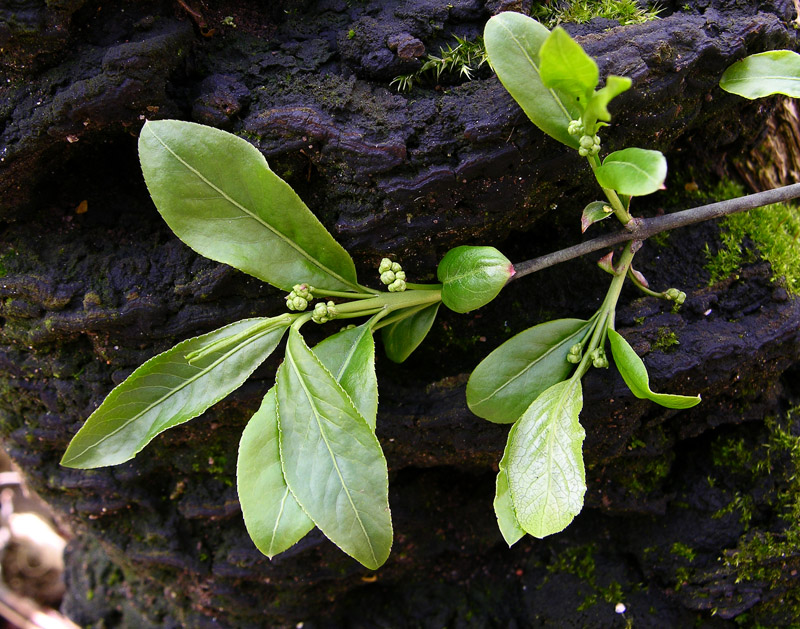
(401, 338)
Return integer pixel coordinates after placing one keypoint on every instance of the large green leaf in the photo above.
(566, 67)
(545, 461)
(512, 43)
(503, 507)
(332, 461)
(218, 195)
(274, 520)
(471, 277)
(633, 171)
(402, 337)
(635, 375)
(172, 388)
(272, 516)
(505, 383)
(764, 74)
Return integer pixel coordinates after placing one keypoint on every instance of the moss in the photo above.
(645, 475)
(773, 230)
(682, 550)
(460, 60)
(582, 11)
(666, 340)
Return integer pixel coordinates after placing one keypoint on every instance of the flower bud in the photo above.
(386, 265)
(387, 277)
(575, 127)
(396, 268)
(398, 286)
(678, 296)
(587, 141)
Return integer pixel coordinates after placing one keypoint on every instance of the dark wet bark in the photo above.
(88, 296)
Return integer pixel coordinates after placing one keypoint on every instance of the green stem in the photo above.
(607, 311)
(301, 319)
(423, 286)
(389, 302)
(399, 316)
(616, 203)
(642, 287)
(342, 294)
(230, 341)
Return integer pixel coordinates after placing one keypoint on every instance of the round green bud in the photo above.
(594, 150)
(678, 296)
(587, 141)
(400, 275)
(573, 358)
(385, 265)
(387, 277)
(398, 286)
(597, 140)
(396, 267)
(576, 349)
(575, 127)
(583, 152)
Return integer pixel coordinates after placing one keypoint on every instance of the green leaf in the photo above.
(633, 171)
(274, 520)
(764, 74)
(566, 67)
(512, 43)
(594, 212)
(332, 461)
(216, 192)
(401, 338)
(635, 375)
(505, 383)
(471, 277)
(350, 356)
(545, 461)
(598, 103)
(503, 507)
(172, 388)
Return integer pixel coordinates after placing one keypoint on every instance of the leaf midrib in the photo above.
(310, 399)
(313, 261)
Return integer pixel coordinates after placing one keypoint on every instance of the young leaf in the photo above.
(635, 375)
(505, 383)
(503, 507)
(764, 74)
(512, 43)
(471, 277)
(274, 520)
(332, 461)
(633, 171)
(566, 67)
(594, 212)
(172, 388)
(216, 192)
(350, 356)
(545, 461)
(400, 339)
(597, 108)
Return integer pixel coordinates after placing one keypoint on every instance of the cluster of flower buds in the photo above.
(599, 358)
(589, 144)
(392, 275)
(323, 312)
(678, 296)
(299, 297)
(575, 354)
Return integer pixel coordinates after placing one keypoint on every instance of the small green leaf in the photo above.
(512, 43)
(635, 375)
(545, 461)
(400, 339)
(764, 74)
(332, 461)
(274, 520)
(172, 388)
(503, 507)
(505, 383)
(350, 356)
(566, 67)
(594, 212)
(216, 192)
(598, 103)
(633, 171)
(471, 277)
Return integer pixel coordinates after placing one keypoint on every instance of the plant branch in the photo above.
(644, 228)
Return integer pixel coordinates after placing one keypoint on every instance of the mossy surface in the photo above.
(771, 232)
